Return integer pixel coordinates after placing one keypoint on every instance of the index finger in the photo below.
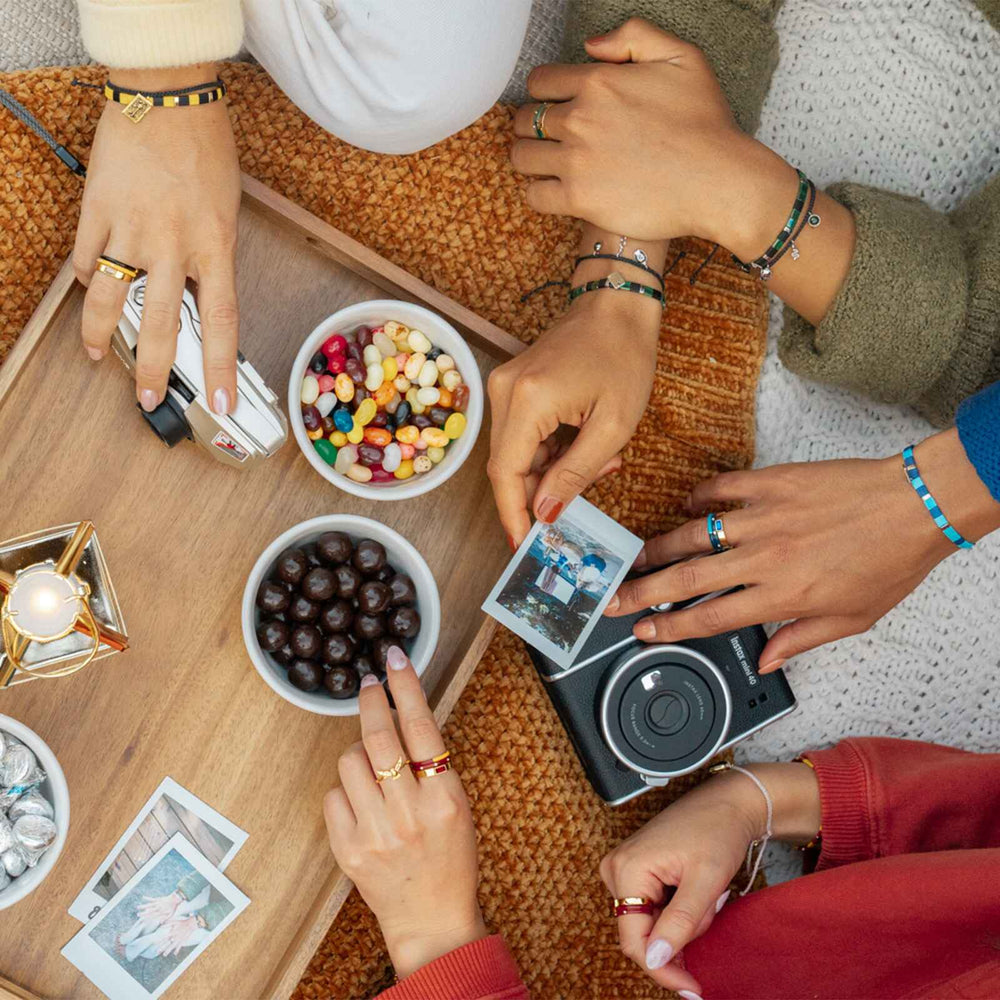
(557, 81)
(421, 735)
(513, 452)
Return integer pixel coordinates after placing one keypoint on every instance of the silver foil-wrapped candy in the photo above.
(31, 803)
(14, 861)
(7, 840)
(35, 835)
(16, 764)
(5, 880)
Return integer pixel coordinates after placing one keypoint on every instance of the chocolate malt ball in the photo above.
(348, 580)
(373, 597)
(306, 641)
(303, 610)
(337, 616)
(285, 655)
(306, 675)
(337, 649)
(292, 566)
(272, 597)
(272, 635)
(334, 547)
(342, 682)
(368, 626)
(319, 584)
(369, 556)
(402, 590)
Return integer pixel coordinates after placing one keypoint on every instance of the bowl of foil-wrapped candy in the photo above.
(34, 811)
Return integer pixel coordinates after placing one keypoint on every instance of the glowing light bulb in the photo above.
(42, 603)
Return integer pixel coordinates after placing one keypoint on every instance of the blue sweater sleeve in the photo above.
(978, 421)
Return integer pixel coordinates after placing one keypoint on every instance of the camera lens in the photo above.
(168, 422)
(665, 710)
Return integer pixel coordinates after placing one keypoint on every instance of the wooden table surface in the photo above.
(180, 533)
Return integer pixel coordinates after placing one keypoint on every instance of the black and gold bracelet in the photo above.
(617, 282)
(137, 104)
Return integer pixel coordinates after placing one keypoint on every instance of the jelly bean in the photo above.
(419, 342)
(356, 370)
(413, 365)
(439, 416)
(335, 364)
(455, 427)
(428, 374)
(384, 344)
(371, 356)
(390, 423)
(435, 454)
(446, 399)
(445, 362)
(359, 473)
(381, 419)
(338, 439)
(460, 398)
(326, 451)
(411, 397)
(378, 329)
(451, 379)
(329, 427)
(318, 363)
(315, 435)
(311, 417)
(326, 383)
(325, 403)
(365, 412)
(343, 420)
(377, 435)
(343, 386)
(310, 390)
(354, 351)
(384, 393)
(392, 329)
(363, 335)
(402, 383)
(346, 457)
(393, 403)
(401, 358)
(374, 378)
(360, 394)
(336, 344)
(369, 454)
(435, 437)
(407, 434)
(422, 464)
(382, 476)
(357, 432)
(421, 421)
(429, 395)
(391, 457)
(407, 451)
(405, 469)
(434, 353)
(390, 368)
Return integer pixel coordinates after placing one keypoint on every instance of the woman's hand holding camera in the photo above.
(829, 547)
(408, 844)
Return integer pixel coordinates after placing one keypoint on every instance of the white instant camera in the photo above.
(255, 428)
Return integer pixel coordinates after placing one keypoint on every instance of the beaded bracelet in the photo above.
(636, 262)
(138, 104)
(808, 216)
(764, 262)
(617, 282)
(913, 475)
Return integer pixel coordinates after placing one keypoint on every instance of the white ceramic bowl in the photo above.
(55, 789)
(442, 334)
(402, 556)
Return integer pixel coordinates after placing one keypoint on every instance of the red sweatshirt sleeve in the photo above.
(482, 970)
(882, 797)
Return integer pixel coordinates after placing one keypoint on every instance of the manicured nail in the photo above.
(549, 509)
(769, 668)
(597, 38)
(644, 630)
(396, 658)
(148, 400)
(613, 604)
(220, 402)
(688, 995)
(641, 559)
(368, 680)
(658, 954)
(721, 901)
(95, 353)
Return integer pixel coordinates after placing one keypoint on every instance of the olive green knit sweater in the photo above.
(917, 321)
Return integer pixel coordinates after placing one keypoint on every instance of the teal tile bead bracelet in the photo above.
(618, 283)
(913, 475)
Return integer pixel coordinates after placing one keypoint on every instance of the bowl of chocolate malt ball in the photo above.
(325, 602)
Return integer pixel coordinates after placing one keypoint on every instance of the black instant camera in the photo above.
(642, 714)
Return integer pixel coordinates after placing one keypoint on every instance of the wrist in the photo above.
(411, 951)
(632, 316)
(172, 78)
(794, 791)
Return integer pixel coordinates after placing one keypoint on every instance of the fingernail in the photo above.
(644, 630)
(95, 353)
(396, 658)
(641, 559)
(613, 604)
(658, 954)
(688, 995)
(220, 402)
(148, 400)
(721, 901)
(549, 509)
(596, 38)
(368, 680)
(771, 667)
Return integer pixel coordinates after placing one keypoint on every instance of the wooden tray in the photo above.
(180, 533)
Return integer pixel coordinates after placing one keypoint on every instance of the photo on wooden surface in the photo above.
(560, 580)
(163, 918)
(170, 810)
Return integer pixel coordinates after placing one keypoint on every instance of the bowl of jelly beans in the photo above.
(385, 399)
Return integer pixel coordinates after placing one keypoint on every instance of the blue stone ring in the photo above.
(716, 532)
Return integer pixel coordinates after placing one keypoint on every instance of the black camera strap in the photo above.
(22, 114)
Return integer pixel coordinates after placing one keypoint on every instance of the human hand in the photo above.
(593, 370)
(159, 908)
(648, 147)
(698, 844)
(828, 546)
(409, 844)
(163, 195)
(178, 934)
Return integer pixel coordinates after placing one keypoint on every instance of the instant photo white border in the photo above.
(104, 972)
(88, 901)
(603, 529)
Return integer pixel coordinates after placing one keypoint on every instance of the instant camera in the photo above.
(640, 714)
(255, 428)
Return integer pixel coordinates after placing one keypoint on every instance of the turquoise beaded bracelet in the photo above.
(618, 283)
(913, 475)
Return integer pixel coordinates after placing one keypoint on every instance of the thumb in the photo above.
(586, 459)
(636, 41)
(684, 917)
(804, 634)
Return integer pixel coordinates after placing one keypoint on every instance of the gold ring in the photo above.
(538, 121)
(394, 772)
(116, 269)
(720, 531)
(433, 769)
(629, 905)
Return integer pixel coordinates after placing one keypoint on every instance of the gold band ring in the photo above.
(394, 772)
(431, 770)
(116, 269)
(632, 904)
(538, 121)
(720, 532)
